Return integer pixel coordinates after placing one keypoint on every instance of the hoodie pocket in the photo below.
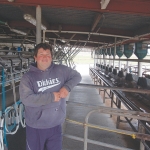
(51, 116)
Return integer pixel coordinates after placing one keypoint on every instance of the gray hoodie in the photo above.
(36, 93)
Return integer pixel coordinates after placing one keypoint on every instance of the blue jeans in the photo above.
(44, 139)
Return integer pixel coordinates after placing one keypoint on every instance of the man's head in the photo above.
(43, 55)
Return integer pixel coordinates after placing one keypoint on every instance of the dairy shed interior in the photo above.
(110, 107)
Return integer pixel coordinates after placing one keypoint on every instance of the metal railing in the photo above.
(112, 111)
(120, 98)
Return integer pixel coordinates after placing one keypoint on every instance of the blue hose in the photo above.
(4, 103)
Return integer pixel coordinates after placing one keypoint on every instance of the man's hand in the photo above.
(63, 92)
(56, 96)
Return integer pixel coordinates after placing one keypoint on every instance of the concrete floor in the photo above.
(78, 113)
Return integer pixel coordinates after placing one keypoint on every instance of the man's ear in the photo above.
(35, 58)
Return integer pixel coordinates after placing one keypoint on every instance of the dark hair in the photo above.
(45, 46)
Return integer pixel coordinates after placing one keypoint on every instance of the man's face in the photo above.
(43, 59)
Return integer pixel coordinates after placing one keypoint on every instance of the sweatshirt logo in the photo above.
(47, 84)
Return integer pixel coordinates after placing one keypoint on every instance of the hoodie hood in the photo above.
(33, 67)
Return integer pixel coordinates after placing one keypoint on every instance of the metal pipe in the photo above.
(115, 88)
(114, 53)
(104, 56)
(38, 24)
(94, 60)
(26, 36)
(121, 112)
(133, 60)
(43, 36)
(16, 79)
(109, 61)
(126, 40)
(127, 66)
(96, 142)
(139, 69)
(83, 41)
(9, 51)
(91, 33)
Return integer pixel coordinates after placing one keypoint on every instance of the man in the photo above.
(43, 90)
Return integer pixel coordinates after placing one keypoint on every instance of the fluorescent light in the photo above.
(32, 20)
(104, 3)
(18, 31)
(10, 0)
(62, 40)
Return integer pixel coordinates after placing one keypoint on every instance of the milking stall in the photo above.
(110, 108)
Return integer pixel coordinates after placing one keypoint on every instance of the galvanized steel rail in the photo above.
(112, 111)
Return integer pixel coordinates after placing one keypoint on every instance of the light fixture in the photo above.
(18, 31)
(32, 20)
(46, 41)
(10, 0)
(104, 3)
(62, 40)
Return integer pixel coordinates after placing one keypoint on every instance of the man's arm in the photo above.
(72, 78)
(63, 92)
(29, 98)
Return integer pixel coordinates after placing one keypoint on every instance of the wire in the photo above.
(21, 115)
(1, 134)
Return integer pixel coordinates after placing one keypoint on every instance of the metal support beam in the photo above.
(96, 21)
(115, 88)
(114, 53)
(127, 66)
(119, 64)
(139, 69)
(91, 33)
(133, 60)
(38, 24)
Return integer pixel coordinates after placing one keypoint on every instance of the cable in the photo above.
(1, 133)
(21, 115)
(11, 119)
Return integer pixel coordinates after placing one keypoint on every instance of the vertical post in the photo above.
(100, 59)
(109, 61)
(38, 24)
(43, 36)
(119, 64)
(104, 95)
(127, 66)
(139, 69)
(114, 53)
(94, 60)
(104, 59)
(112, 99)
(141, 130)
(118, 117)
(4, 106)
(3, 92)
(85, 137)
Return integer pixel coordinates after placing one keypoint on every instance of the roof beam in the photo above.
(118, 6)
(87, 29)
(96, 21)
(91, 33)
(83, 41)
